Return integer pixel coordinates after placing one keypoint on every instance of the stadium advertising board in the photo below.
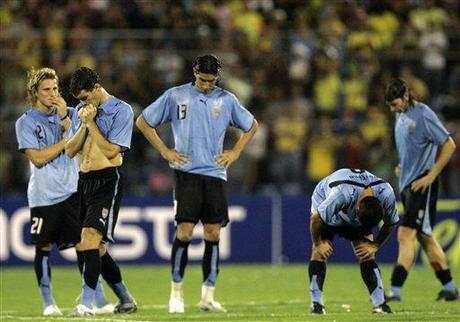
(262, 229)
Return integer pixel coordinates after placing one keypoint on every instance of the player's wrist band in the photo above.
(65, 116)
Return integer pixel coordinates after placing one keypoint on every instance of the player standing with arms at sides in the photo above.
(100, 134)
(418, 134)
(349, 203)
(200, 113)
(52, 191)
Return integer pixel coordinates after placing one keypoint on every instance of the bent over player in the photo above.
(349, 203)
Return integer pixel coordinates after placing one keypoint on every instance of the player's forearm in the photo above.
(245, 138)
(75, 144)
(383, 235)
(315, 228)
(447, 149)
(41, 157)
(110, 150)
(151, 135)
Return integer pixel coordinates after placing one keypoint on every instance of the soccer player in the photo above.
(349, 203)
(200, 113)
(419, 133)
(52, 192)
(100, 134)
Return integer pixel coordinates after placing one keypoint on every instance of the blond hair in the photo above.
(34, 77)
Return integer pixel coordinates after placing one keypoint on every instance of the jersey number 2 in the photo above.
(36, 225)
(181, 111)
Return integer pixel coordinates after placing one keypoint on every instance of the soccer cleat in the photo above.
(390, 296)
(52, 310)
(211, 306)
(176, 305)
(109, 308)
(382, 308)
(81, 310)
(448, 296)
(317, 308)
(125, 308)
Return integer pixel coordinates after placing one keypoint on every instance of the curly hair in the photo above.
(83, 78)
(34, 77)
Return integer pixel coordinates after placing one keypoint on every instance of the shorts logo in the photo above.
(420, 213)
(105, 213)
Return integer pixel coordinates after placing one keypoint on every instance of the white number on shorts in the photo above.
(36, 225)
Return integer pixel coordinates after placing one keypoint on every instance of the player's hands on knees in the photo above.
(323, 248)
(365, 250)
(174, 157)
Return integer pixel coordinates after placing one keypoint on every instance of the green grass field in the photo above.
(249, 292)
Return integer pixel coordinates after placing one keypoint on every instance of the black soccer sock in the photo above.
(109, 269)
(368, 274)
(111, 273)
(399, 276)
(372, 277)
(444, 276)
(80, 261)
(317, 269)
(210, 263)
(92, 267)
(179, 259)
(40, 257)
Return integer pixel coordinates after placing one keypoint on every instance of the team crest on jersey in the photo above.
(217, 108)
(105, 213)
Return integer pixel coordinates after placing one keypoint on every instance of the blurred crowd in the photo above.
(312, 72)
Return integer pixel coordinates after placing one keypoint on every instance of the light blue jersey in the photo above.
(114, 119)
(57, 180)
(199, 121)
(418, 132)
(335, 197)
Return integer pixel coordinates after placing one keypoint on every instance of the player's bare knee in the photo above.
(184, 232)
(90, 238)
(406, 235)
(212, 232)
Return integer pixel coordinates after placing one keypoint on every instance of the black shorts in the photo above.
(101, 193)
(198, 197)
(348, 232)
(59, 223)
(420, 208)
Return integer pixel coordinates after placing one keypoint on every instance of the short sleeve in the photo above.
(331, 205)
(436, 131)
(122, 128)
(158, 112)
(240, 117)
(390, 216)
(25, 134)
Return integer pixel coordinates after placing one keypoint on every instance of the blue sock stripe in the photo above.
(100, 298)
(176, 270)
(316, 295)
(212, 277)
(377, 296)
(45, 283)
